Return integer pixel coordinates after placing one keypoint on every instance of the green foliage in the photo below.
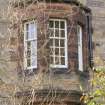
(97, 94)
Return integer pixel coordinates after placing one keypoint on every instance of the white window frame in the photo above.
(65, 47)
(80, 47)
(25, 45)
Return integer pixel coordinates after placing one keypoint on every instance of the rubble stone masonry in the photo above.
(98, 8)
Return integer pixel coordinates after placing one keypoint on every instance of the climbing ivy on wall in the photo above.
(97, 94)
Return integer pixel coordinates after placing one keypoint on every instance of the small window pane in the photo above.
(51, 33)
(56, 51)
(56, 33)
(51, 24)
(32, 26)
(62, 50)
(28, 54)
(51, 60)
(31, 35)
(27, 27)
(56, 24)
(27, 35)
(52, 51)
(28, 45)
(62, 33)
(62, 60)
(33, 48)
(30, 31)
(56, 60)
(62, 24)
(28, 62)
(62, 43)
(51, 42)
(33, 61)
(57, 42)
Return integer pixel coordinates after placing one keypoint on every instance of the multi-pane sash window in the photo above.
(30, 45)
(58, 43)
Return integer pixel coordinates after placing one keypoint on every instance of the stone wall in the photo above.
(57, 78)
(98, 8)
(98, 26)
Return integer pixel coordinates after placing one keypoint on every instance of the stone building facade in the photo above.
(98, 8)
(98, 37)
(60, 85)
(62, 41)
(8, 71)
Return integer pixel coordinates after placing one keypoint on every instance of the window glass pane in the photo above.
(51, 24)
(51, 42)
(51, 60)
(62, 43)
(56, 24)
(34, 61)
(31, 31)
(62, 33)
(56, 60)
(35, 31)
(62, 24)
(56, 51)
(78, 34)
(27, 35)
(57, 42)
(62, 60)
(28, 62)
(32, 27)
(62, 50)
(28, 45)
(51, 32)
(28, 54)
(52, 51)
(27, 27)
(33, 48)
(56, 32)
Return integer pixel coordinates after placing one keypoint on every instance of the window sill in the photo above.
(59, 66)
